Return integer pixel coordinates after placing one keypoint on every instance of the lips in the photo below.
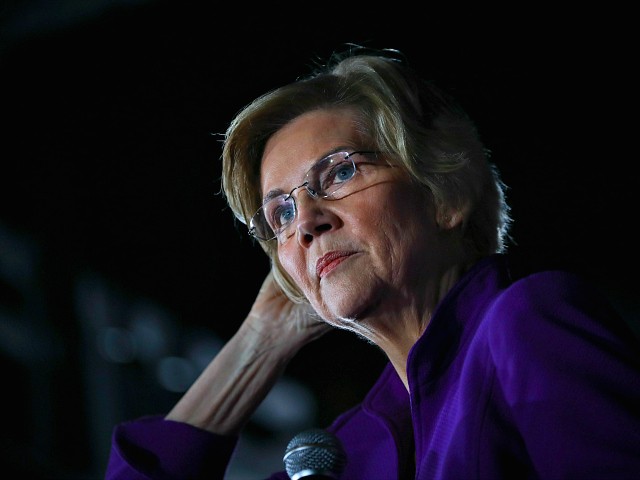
(331, 260)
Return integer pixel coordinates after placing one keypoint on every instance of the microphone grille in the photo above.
(314, 452)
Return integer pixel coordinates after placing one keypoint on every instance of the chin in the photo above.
(347, 302)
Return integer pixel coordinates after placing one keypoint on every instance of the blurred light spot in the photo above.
(116, 345)
(149, 325)
(176, 374)
(288, 406)
(202, 351)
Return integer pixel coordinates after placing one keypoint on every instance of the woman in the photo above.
(376, 202)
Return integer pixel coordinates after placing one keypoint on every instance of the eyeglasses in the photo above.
(276, 217)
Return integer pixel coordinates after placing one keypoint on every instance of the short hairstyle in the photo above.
(408, 118)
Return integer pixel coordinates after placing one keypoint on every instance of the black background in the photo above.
(112, 121)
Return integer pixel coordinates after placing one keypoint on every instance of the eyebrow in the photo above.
(275, 192)
(272, 194)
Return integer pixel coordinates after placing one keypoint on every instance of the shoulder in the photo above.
(557, 353)
(550, 288)
(554, 296)
(557, 315)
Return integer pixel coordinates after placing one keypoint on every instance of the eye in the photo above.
(340, 173)
(344, 172)
(280, 212)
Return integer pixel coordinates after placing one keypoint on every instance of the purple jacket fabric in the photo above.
(536, 377)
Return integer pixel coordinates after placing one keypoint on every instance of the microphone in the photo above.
(315, 454)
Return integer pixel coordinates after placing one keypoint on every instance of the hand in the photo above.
(277, 317)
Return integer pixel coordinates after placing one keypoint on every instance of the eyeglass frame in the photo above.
(310, 191)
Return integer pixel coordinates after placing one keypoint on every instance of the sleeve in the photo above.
(568, 367)
(155, 448)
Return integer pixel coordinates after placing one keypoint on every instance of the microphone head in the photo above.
(314, 452)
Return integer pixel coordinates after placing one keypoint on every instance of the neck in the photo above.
(396, 327)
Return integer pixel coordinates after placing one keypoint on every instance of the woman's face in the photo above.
(362, 254)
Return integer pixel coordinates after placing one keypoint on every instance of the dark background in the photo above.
(121, 271)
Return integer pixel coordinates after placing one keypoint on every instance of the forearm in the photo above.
(234, 384)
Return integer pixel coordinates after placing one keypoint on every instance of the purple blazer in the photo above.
(536, 377)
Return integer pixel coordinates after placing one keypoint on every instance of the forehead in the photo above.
(293, 149)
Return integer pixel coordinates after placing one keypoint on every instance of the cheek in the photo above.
(397, 211)
(405, 224)
(294, 265)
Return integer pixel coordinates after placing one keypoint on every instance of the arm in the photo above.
(229, 390)
(197, 437)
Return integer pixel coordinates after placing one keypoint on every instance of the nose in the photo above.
(314, 218)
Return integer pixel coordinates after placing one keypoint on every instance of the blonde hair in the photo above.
(408, 118)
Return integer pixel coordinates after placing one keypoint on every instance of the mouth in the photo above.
(330, 261)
